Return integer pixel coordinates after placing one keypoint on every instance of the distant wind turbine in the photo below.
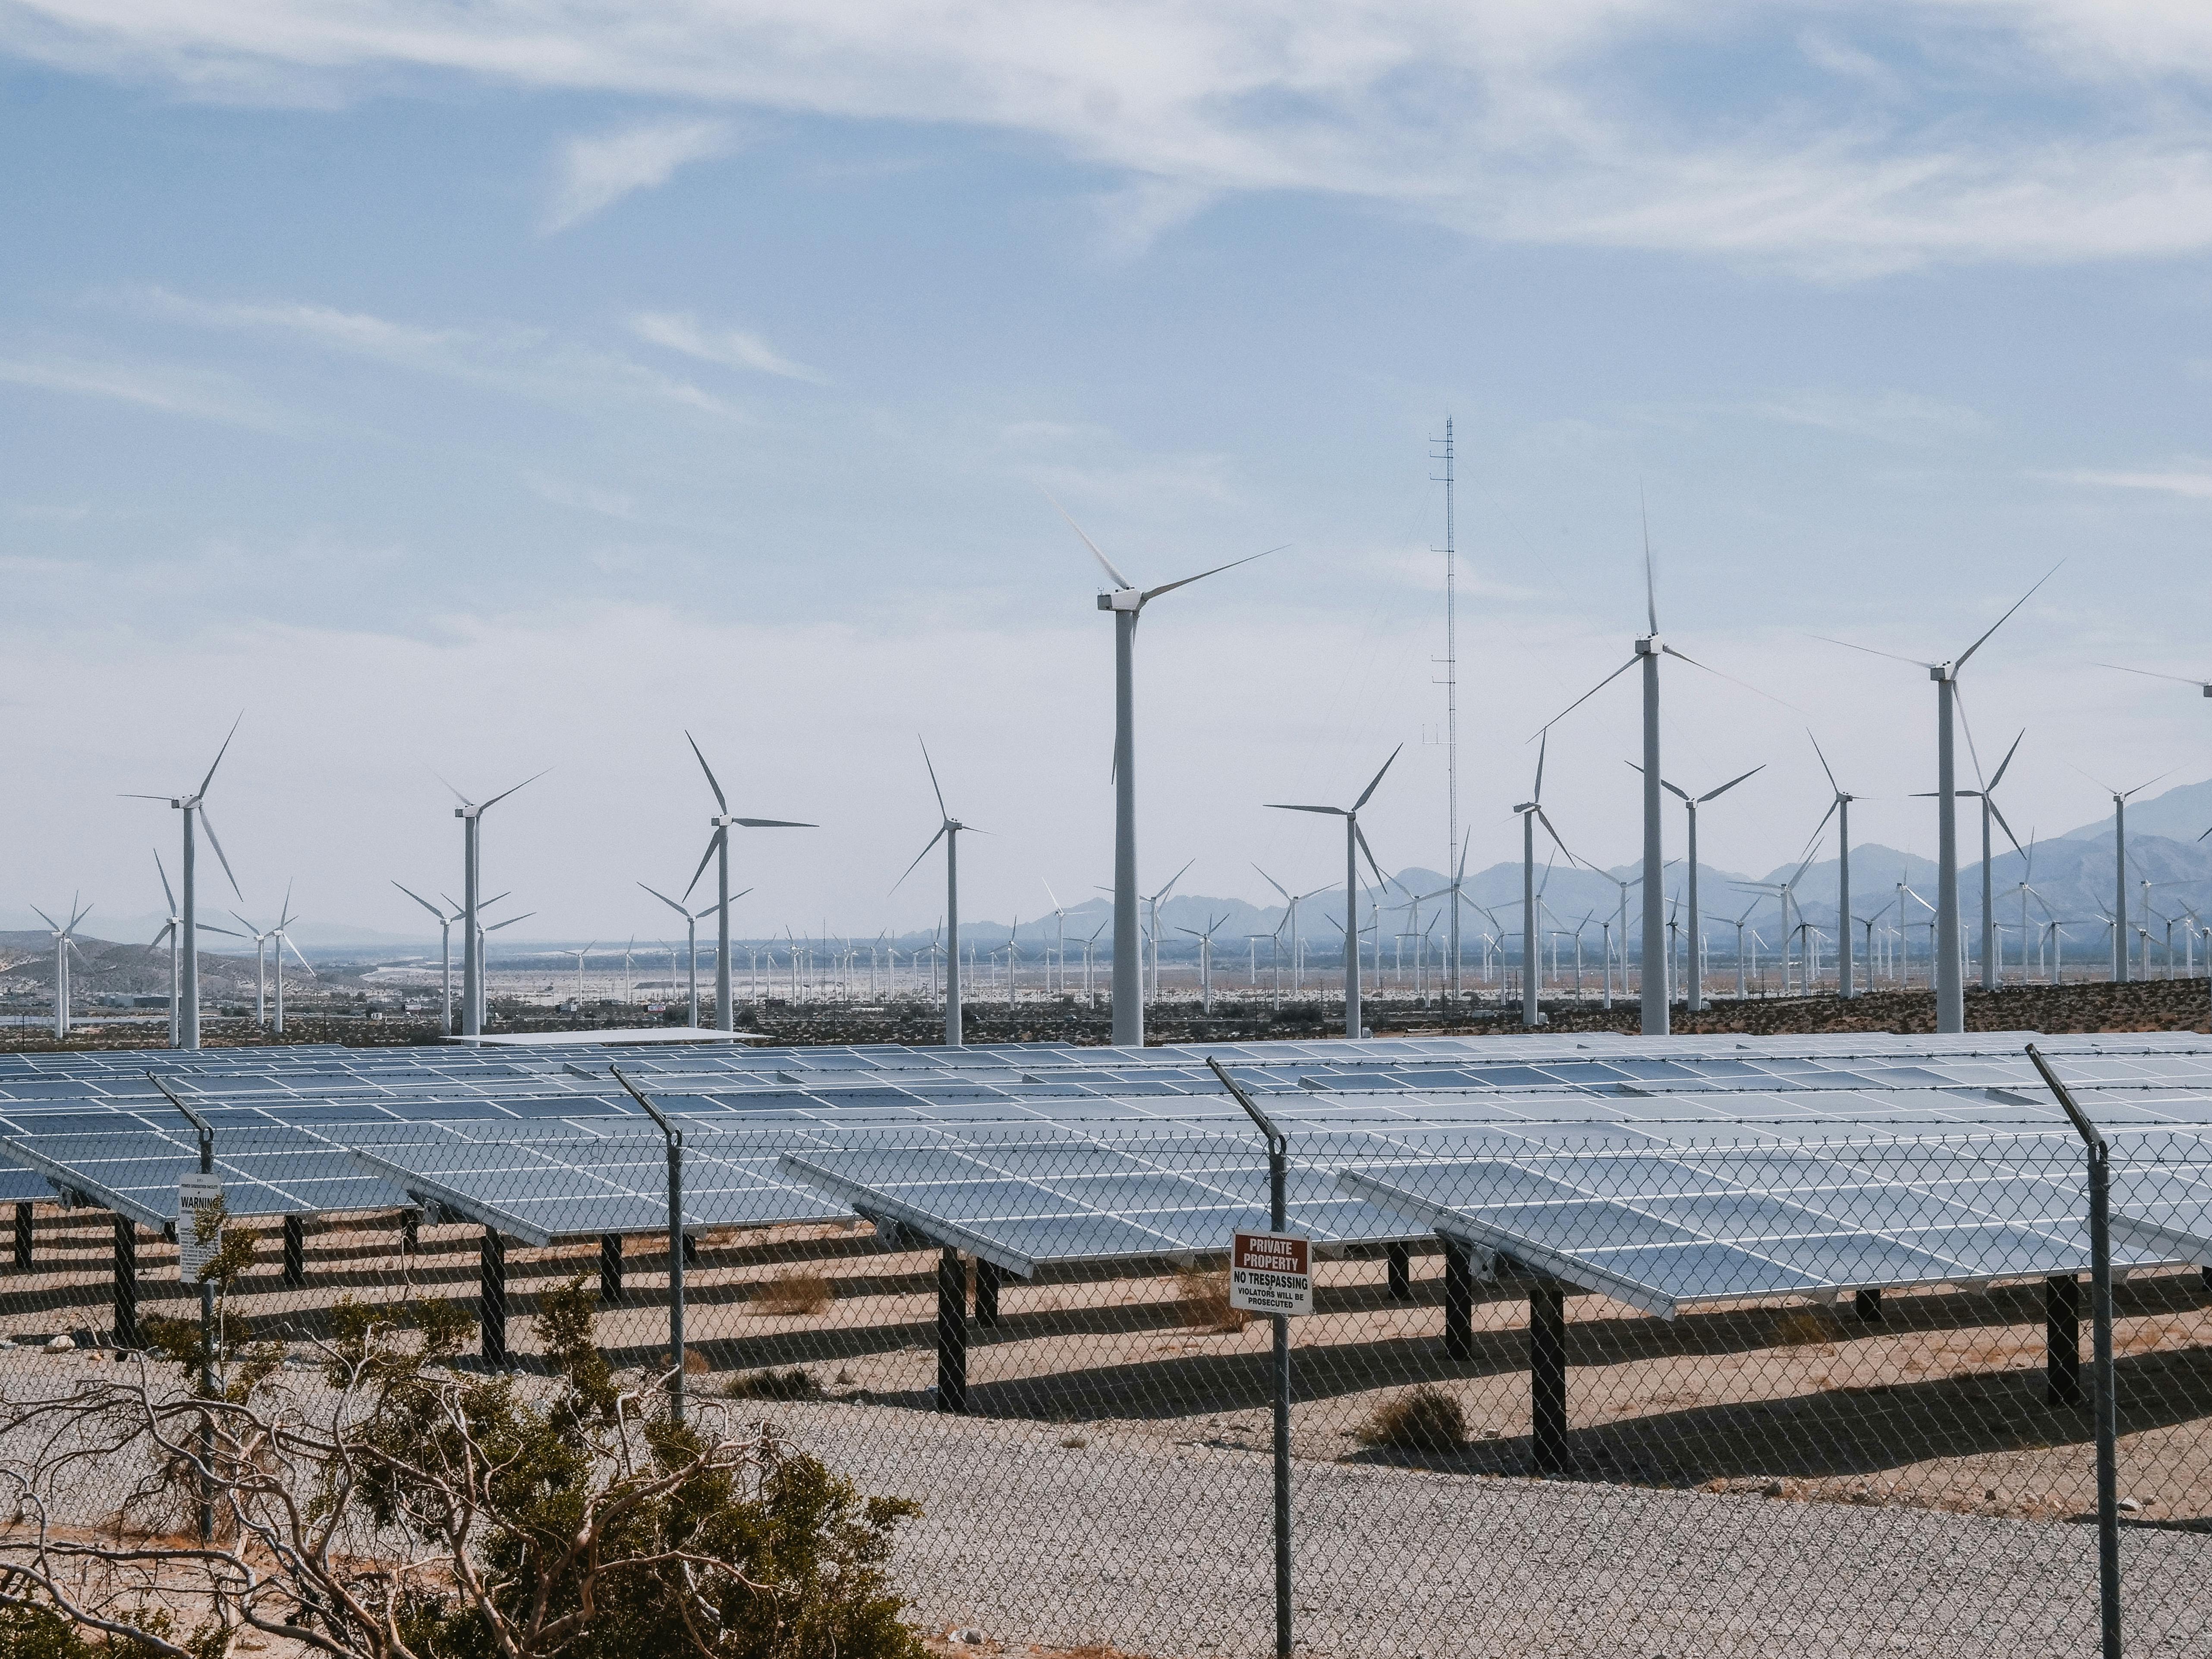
(470, 813)
(1355, 843)
(2120, 798)
(194, 807)
(1950, 988)
(948, 831)
(1694, 999)
(718, 848)
(1531, 811)
(691, 937)
(1839, 808)
(445, 922)
(64, 942)
(1126, 601)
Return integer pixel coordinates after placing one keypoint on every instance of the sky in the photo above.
(457, 393)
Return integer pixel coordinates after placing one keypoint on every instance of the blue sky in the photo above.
(491, 390)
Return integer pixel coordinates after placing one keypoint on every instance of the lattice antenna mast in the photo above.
(1451, 705)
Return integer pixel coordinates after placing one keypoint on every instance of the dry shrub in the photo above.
(1806, 1327)
(797, 1383)
(794, 1293)
(1204, 1299)
(1424, 1418)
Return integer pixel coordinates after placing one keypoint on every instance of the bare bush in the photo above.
(792, 1293)
(1425, 1418)
(1203, 1299)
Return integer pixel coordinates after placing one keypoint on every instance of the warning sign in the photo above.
(195, 1192)
(1271, 1273)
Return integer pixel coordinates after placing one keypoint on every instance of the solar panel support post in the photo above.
(23, 1232)
(1279, 1181)
(1548, 1377)
(951, 1332)
(611, 1268)
(987, 1293)
(1459, 1301)
(2100, 1351)
(2062, 1340)
(492, 1297)
(127, 1283)
(678, 1245)
(1867, 1305)
(1401, 1272)
(295, 1251)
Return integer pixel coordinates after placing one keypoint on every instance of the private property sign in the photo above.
(1271, 1273)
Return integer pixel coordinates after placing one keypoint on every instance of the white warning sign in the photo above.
(1271, 1273)
(194, 1192)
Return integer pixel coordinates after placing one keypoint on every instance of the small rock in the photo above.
(61, 1345)
(970, 1637)
(1773, 1489)
(1990, 1493)
(2129, 1504)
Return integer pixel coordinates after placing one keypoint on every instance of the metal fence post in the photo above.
(677, 1357)
(1278, 1151)
(206, 1130)
(2101, 1318)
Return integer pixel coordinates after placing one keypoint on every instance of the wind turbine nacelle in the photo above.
(1128, 598)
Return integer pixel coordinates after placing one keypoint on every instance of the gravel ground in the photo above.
(1063, 1536)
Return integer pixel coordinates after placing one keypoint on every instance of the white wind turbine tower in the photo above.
(481, 933)
(64, 942)
(2120, 967)
(691, 919)
(260, 937)
(1950, 988)
(948, 831)
(1126, 600)
(1694, 991)
(470, 813)
(1657, 1015)
(1531, 811)
(445, 922)
(173, 930)
(1206, 961)
(1992, 966)
(1292, 901)
(281, 934)
(580, 955)
(1839, 808)
(1355, 843)
(718, 848)
(1152, 901)
(194, 807)
(1059, 920)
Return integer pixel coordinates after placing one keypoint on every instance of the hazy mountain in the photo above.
(2182, 813)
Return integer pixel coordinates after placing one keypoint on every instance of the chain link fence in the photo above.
(1580, 1394)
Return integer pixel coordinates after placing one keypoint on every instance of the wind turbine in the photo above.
(1152, 926)
(260, 939)
(194, 807)
(580, 955)
(1530, 811)
(1059, 920)
(1205, 962)
(283, 936)
(1839, 808)
(1992, 967)
(2120, 870)
(445, 953)
(470, 813)
(1126, 600)
(1950, 990)
(690, 938)
(1292, 901)
(948, 831)
(1695, 998)
(1354, 844)
(64, 942)
(494, 928)
(718, 848)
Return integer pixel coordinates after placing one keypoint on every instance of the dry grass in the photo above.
(1806, 1327)
(1424, 1418)
(1205, 1301)
(794, 1293)
(797, 1383)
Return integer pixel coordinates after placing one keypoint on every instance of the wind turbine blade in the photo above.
(2147, 783)
(1053, 897)
(2153, 674)
(1542, 819)
(208, 825)
(167, 928)
(712, 841)
(510, 921)
(1651, 582)
(294, 950)
(1585, 697)
(943, 829)
(1360, 835)
(43, 917)
(1112, 574)
(667, 901)
(167, 892)
(1151, 593)
(1370, 788)
(1830, 639)
(1967, 726)
(2002, 620)
(773, 823)
(1732, 783)
(1173, 879)
(1825, 767)
(1285, 806)
(1668, 788)
(943, 811)
(1745, 685)
(1460, 874)
(504, 793)
(2007, 761)
(221, 752)
(1825, 816)
(1999, 816)
(712, 782)
(1272, 883)
(448, 782)
(1543, 749)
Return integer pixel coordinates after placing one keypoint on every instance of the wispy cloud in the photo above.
(166, 388)
(519, 362)
(1900, 417)
(732, 348)
(2025, 131)
(599, 171)
(2194, 482)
